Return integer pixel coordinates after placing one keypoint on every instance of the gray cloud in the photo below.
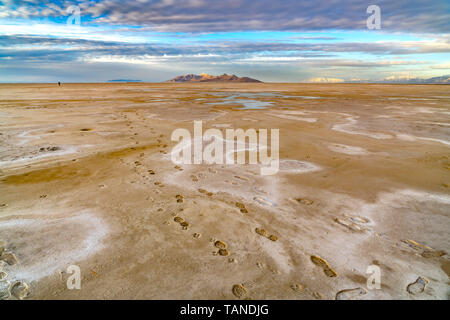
(64, 49)
(232, 15)
(167, 55)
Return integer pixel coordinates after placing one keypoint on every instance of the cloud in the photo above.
(441, 66)
(185, 36)
(218, 15)
(325, 80)
(26, 48)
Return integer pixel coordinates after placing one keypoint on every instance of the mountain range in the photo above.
(203, 77)
(435, 80)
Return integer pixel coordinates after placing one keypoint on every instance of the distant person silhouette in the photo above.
(59, 83)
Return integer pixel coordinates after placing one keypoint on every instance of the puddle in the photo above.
(247, 99)
(250, 101)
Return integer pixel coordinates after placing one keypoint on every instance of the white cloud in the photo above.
(325, 80)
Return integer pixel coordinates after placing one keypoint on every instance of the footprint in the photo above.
(242, 207)
(352, 224)
(3, 274)
(196, 235)
(220, 244)
(304, 201)
(239, 290)
(6, 256)
(274, 271)
(2, 247)
(224, 252)
(264, 233)
(179, 198)
(9, 257)
(357, 219)
(209, 194)
(264, 202)
(182, 222)
(185, 225)
(194, 178)
(4, 289)
(297, 287)
(318, 295)
(260, 190)
(324, 265)
(349, 294)
(426, 251)
(417, 286)
(416, 245)
(433, 253)
(178, 219)
(20, 290)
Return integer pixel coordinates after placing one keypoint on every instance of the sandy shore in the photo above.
(86, 179)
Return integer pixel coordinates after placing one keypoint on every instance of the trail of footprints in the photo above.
(352, 223)
(20, 290)
(240, 291)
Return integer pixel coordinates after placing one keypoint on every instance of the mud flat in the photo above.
(86, 179)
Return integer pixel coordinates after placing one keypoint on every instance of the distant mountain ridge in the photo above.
(124, 80)
(203, 77)
(435, 80)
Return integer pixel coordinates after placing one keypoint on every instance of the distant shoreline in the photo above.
(221, 82)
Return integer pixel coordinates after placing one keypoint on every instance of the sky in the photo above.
(270, 40)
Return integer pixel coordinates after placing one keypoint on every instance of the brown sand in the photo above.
(86, 179)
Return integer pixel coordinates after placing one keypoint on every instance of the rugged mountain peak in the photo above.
(204, 77)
